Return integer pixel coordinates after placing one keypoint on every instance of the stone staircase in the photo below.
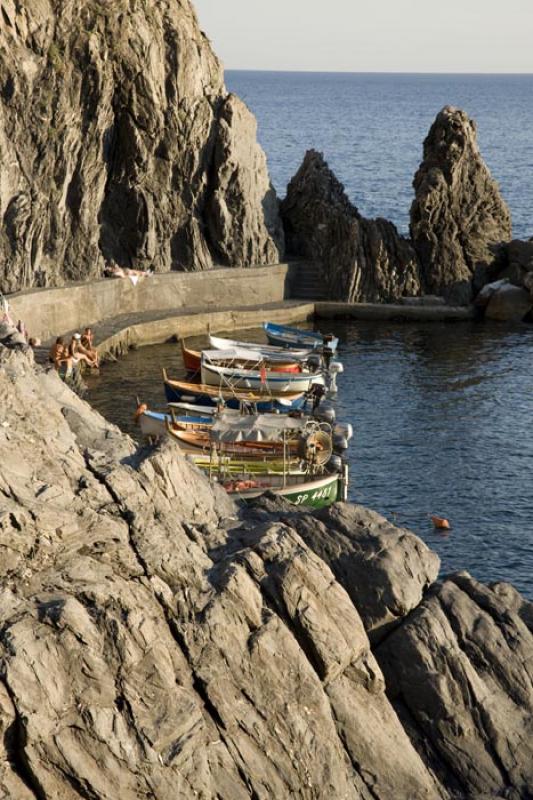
(307, 282)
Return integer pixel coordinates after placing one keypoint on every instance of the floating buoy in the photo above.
(440, 523)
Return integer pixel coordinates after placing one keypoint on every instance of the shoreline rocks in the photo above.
(154, 639)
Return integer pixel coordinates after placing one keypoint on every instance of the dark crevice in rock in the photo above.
(15, 742)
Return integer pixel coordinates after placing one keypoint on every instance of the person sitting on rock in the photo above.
(87, 346)
(59, 354)
(78, 353)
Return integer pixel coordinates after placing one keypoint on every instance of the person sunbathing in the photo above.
(87, 346)
(59, 354)
(78, 353)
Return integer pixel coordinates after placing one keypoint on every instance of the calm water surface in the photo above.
(443, 425)
(371, 127)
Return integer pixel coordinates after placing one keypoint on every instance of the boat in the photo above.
(302, 490)
(213, 374)
(153, 424)
(240, 357)
(268, 350)
(320, 480)
(205, 395)
(285, 336)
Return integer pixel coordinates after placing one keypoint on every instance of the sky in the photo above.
(371, 35)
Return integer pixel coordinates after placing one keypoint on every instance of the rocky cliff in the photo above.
(360, 259)
(458, 218)
(459, 225)
(118, 140)
(155, 643)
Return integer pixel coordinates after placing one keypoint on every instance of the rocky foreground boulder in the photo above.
(359, 259)
(118, 140)
(155, 642)
(459, 220)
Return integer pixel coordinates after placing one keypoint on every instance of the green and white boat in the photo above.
(302, 490)
(317, 480)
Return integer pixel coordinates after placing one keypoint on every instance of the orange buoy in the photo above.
(440, 523)
(141, 408)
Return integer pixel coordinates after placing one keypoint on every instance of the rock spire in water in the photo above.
(360, 259)
(118, 140)
(458, 217)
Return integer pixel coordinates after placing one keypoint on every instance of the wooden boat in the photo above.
(202, 394)
(214, 375)
(285, 336)
(242, 359)
(200, 442)
(269, 351)
(153, 424)
(302, 490)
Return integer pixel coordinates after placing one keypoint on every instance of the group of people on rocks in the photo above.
(80, 350)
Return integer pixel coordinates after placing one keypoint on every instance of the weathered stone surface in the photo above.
(360, 259)
(459, 671)
(458, 217)
(153, 643)
(509, 304)
(520, 254)
(117, 136)
(385, 570)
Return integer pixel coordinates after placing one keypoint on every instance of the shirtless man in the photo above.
(59, 354)
(87, 346)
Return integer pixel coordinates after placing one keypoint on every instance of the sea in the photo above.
(443, 413)
(371, 129)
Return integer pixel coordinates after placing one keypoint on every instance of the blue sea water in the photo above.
(371, 127)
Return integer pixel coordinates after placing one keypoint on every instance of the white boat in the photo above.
(266, 350)
(256, 379)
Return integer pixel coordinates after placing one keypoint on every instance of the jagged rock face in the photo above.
(455, 673)
(458, 218)
(116, 137)
(361, 260)
(152, 644)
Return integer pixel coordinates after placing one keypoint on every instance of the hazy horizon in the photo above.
(359, 36)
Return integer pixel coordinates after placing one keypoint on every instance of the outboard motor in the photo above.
(335, 463)
(314, 362)
(317, 392)
(325, 411)
(327, 353)
(344, 429)
(340, 443)
(335, 368)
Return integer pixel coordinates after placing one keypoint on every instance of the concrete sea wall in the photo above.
(51, 312)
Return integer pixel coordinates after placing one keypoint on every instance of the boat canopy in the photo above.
(256, 428)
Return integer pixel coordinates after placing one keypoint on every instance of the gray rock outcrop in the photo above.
(459, 672)
(360, 259)
(154, 644)
(509, 303)
(118, 140)
(458, 218)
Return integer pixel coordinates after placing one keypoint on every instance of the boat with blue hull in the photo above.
(285, 336)
(199, 394)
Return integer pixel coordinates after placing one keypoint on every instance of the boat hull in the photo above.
(311, 493)
(284, 336)
(179, 391)
(213, 375)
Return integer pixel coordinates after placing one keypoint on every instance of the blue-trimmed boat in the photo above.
(285, 336)
(262, 401)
